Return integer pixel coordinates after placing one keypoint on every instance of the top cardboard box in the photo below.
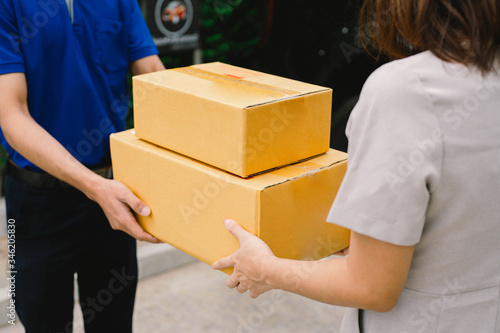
(242, 121)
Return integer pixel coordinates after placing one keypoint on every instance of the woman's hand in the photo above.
(252, 259)
(371, 277)
(343, 252)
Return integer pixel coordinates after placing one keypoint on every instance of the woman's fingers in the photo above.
(223, 263)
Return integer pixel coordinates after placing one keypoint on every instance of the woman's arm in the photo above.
(371, 277)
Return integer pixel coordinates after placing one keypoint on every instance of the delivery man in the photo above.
(63, 91)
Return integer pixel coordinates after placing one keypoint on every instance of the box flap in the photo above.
(308, 236)
(131, 169)
(263, 79)
(229, 84)
(300, 169)
(261, 181)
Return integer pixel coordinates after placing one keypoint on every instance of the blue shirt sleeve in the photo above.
(11, 56)
(140, 41)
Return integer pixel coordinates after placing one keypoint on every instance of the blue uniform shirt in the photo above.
(75, 71)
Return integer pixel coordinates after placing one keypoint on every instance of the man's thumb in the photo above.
(138, 206)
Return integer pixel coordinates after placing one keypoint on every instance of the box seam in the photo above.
(310, 172)
(287, 98)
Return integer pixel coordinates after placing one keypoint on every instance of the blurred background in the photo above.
(313, 41)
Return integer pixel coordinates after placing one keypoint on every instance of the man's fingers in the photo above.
(135, 203)
(131, 227)
(137, 232)
(149, 238)
(142, 209)
(117, 204)
(138, 206)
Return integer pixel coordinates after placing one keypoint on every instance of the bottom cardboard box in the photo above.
(287, 207)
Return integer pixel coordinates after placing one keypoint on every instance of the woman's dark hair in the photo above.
(462, 31)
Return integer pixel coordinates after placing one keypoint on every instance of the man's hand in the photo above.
(117, 200)
(247, 261)
(37, 145)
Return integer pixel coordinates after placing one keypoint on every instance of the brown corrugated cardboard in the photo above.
(241, 121)
(287, 208)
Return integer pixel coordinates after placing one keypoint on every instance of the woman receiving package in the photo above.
(422, 190)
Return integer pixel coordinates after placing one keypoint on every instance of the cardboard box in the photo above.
(287, 208)
(241, 121)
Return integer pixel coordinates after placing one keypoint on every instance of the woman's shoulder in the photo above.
(423, 75)
(399, 79)
(401, 70)
(427, 70)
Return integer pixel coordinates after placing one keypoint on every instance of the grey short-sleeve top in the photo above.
(424, 170)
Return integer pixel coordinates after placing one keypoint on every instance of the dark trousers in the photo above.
(60, 232)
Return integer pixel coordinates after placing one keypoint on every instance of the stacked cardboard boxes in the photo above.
(215, 141)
